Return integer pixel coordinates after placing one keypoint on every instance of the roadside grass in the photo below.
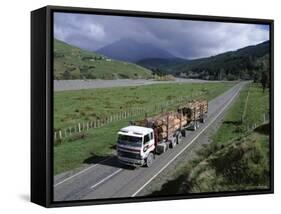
(73, 107)
(95, 145)
(100, 143)
(236, 159)
(257, 105)
(232, 125)
(242, 164)
(237, 166)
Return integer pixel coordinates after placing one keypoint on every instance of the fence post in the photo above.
(60, 134)
(55, 136)
(65, 133)
(79, 127)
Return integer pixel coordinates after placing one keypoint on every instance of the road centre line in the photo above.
(82, 171)
(106, 178)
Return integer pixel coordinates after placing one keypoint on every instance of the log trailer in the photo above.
(139, 142)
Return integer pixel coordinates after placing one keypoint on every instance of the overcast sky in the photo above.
(186, 39)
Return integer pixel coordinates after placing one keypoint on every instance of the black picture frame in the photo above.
(42, 103)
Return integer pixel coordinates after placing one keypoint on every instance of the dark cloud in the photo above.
(188, 39)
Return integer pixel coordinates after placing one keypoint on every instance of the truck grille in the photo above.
(128, 155)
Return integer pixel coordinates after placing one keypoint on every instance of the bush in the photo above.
(242, 164)
(123, 76)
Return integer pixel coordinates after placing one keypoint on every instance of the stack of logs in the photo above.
(169, 124)
(194, 109)
(166, 124)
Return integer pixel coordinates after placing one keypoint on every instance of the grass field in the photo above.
(257, 104)
(98, 143)
(237, 159)
(72, 107)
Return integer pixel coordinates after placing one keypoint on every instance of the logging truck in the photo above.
(138, 143)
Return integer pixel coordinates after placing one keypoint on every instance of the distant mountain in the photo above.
(161, 64)
(74, 63)
(245, 63)
(132, 51)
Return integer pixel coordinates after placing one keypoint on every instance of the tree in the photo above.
(264, 80)
(66, 75)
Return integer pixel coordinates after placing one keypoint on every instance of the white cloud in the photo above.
(95, 31)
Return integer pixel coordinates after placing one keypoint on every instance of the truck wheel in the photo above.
(173, 142)
(149, 159)
(179, 138)
(203, 120)
(183, 133)
(194, 126)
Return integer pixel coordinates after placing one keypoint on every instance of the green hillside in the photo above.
(74, 63)
(245, 63)
(162, 66)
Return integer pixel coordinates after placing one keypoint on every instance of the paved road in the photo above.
(65, 85)
(109, 179)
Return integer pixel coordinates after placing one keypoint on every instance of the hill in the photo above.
(74, 63)
(162, 65)
(132, 51)
(245, 63)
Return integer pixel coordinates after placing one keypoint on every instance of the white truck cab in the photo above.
(136, 146)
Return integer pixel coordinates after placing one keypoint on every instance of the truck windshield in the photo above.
(129, 140)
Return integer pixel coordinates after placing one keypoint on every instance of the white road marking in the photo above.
(164, 167)
(82, 171)
(106, 178)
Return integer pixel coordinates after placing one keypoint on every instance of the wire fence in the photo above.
(83, 127)
(250, 125)
(264, 119)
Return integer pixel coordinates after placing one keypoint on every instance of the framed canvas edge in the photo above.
(49, 103)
